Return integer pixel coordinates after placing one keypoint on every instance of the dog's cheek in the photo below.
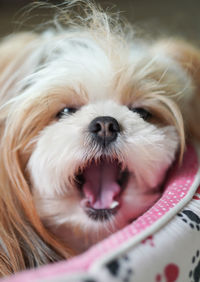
(149, 161)
(58, 211)
(135, 203)
(150, 153)
(56, 153)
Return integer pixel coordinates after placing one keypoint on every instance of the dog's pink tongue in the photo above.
(101, 187)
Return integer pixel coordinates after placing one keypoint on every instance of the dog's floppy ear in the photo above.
(188, 57)
(24, 241)
(15, 62)
(14, 53)
(12, 46)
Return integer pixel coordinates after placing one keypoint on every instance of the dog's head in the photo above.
(90, 126)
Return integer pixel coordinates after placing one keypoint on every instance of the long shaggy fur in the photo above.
(98, 65)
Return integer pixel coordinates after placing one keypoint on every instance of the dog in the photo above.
(92, 118)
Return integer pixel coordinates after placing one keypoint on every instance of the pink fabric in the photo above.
(178, 184)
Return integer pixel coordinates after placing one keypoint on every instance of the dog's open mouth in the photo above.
(102, 183)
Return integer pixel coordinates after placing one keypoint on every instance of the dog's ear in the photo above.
(188, 57)
(24, 241)
(12, 46)
(15, 51)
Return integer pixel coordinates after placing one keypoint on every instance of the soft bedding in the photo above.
(162, 245)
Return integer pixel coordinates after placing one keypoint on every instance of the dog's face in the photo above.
(90, 125)
(91, 120)
(105, 137)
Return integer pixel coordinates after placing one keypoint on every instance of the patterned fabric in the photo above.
(163, 245)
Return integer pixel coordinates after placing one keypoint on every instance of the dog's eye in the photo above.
(65, 112)
(142, 113)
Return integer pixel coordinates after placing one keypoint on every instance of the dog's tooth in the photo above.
(114, 204)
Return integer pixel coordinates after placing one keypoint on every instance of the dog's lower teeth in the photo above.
(114, 204)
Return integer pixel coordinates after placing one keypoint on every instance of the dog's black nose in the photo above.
(104, 129)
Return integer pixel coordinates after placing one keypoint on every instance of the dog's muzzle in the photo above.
(104, 130)
(103, 179)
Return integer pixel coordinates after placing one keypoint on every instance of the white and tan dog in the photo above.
(91, 121)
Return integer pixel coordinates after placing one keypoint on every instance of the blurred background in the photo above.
(172, 17)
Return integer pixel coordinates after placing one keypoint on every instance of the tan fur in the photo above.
(18, 217)
(188, 56)
(12, 46)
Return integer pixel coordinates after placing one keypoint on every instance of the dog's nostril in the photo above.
(105, 129)
(97, 127)
(113, 127)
